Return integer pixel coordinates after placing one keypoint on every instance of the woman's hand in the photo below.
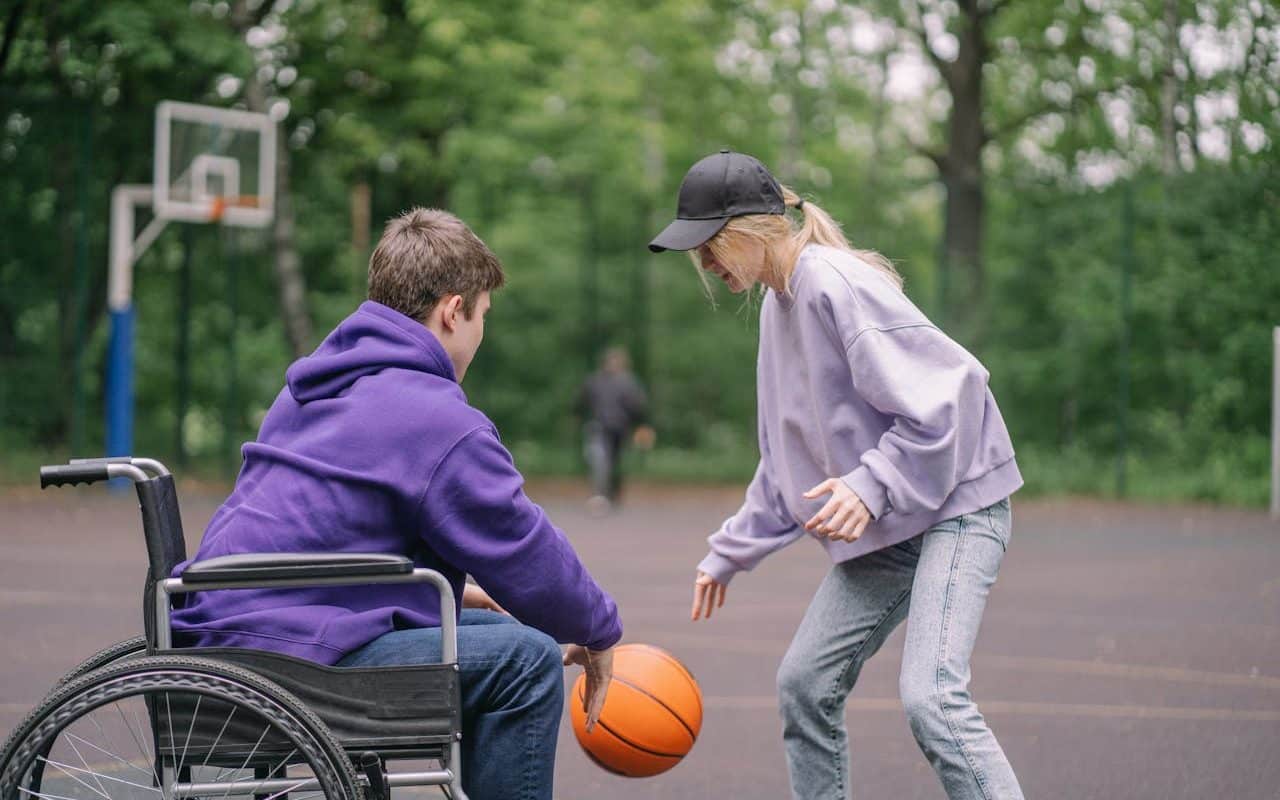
(844, 517)
(598, 665)
(475, 597)
(708, 593)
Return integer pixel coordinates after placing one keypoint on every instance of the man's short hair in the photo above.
(426, 254)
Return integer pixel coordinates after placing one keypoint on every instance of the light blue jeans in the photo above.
(939, 583)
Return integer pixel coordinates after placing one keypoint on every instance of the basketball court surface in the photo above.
(1127, 652)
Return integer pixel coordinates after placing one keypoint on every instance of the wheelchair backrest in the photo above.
(161, 524)
(166, 546)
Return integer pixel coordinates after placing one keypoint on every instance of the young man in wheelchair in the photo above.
(371, 446)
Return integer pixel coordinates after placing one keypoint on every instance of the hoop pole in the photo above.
(120, 383)
(124, 252)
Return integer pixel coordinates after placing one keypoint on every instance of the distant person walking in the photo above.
(880, 440)
(614, 408)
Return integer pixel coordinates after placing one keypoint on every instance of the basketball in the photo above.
(651, 715)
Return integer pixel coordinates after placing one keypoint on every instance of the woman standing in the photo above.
(880, 439)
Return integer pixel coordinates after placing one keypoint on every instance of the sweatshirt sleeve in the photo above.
(935, 391)
(482, 522)
(759, 528)
(637, 402)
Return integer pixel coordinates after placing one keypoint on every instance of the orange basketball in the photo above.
(651, 716)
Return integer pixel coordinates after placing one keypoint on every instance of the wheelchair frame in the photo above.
(165, 543)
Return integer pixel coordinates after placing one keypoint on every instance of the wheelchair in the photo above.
(141, 720)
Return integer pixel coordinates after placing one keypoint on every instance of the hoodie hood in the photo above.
(375, 337)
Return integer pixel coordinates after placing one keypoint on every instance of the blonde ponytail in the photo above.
(819, 228)
(781, 239)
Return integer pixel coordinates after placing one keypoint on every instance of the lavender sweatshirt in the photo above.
(371, 447)
(854, 382)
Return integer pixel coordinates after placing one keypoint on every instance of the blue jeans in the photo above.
(603, 450)
(938, 582)
(512, 693)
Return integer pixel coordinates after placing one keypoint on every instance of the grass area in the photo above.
(1226, 478)
(21, 467)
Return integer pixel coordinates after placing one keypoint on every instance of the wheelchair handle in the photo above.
(146, 464)
(72, 474)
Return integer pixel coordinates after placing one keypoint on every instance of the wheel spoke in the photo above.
(249, 757)
(195, 715)
(68, 771)
(71, 741)
(214, 746)
(151, 762)
(286, 791)
(45, 795)
(146, 751)
(107, 753)
(169, 716)
(66, 767)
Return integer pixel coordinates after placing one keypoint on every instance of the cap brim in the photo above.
(686, 234)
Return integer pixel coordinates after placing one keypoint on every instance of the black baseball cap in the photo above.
(716, 189)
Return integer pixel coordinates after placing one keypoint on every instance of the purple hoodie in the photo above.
(371, 447)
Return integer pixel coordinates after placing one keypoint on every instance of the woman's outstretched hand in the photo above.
(708, 593)
(844, 517)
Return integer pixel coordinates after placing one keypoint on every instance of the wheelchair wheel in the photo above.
(171, 728)
(129, 648)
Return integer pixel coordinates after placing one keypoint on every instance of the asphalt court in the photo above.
(1127, 652)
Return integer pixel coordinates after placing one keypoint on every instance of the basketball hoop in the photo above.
(210, 165)
(219, 205)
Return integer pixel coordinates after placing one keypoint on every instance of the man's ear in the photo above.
(452, 308)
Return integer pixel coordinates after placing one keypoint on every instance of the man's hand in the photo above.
(844, 517)
(598, 665)
(708, 593)
(644, 437)
(475, 597)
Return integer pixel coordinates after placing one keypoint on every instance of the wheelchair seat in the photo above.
(400, 711)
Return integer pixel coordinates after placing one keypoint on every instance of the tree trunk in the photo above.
(361, 197)
(1169, 91)
(291, 284)
(963, 281)
(10, 34)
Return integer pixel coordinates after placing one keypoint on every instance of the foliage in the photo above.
(559, 130)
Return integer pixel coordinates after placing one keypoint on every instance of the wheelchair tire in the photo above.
(129, 648)
(140, 685)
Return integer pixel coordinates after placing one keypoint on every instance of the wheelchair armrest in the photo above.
(272, 566)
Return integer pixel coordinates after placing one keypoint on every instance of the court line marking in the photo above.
(1011, 707)
(63, 599)
(1026, 663)
(1138, 671)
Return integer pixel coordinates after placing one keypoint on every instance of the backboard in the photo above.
(214, 164)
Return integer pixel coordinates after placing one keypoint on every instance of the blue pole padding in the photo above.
(120, 383)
